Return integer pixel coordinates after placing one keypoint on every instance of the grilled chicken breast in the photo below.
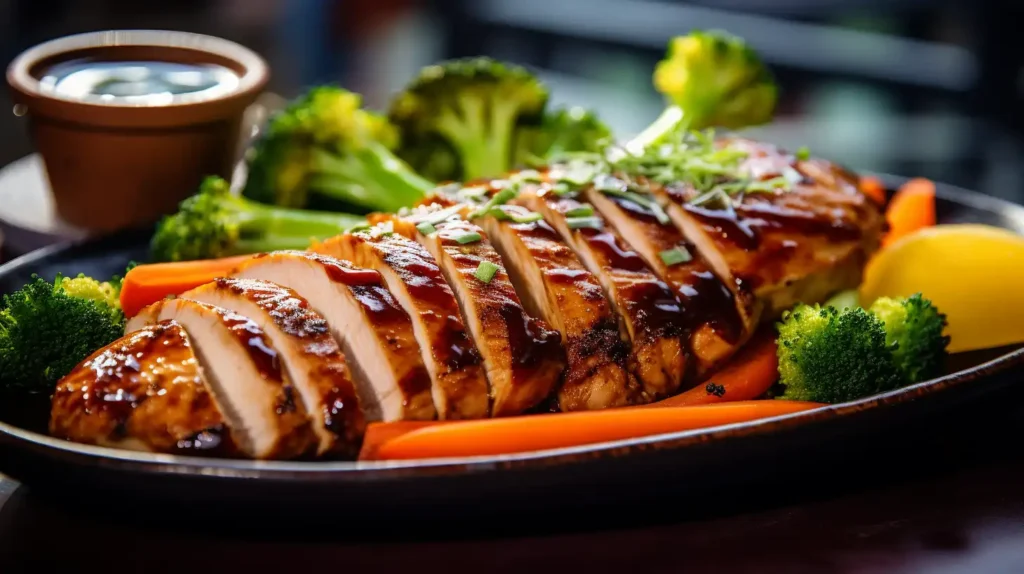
(522, 355)
(802, 244)
(376, 334)
(308, 353)
(145, 392)
(718, 315)
(649, 314)
(459, 382)
(243, 370)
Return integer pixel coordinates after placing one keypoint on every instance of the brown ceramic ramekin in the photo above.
(116, 164)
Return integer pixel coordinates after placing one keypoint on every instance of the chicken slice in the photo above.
(375, 333)
(718, 315)
(144, 392)
(649, 314)
(798, 245)
(309, 354)
(522, 355)
(412, 276)
(243, 370)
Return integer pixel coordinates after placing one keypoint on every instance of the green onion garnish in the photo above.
(359, 227)
(472, 192)
(441, 215)
(500, 198)
(426, 228)
(767, 186)
(527, 176)
(502, 215)
(803, 153)
(469, 237)
(583, 222)
(384, 229)
(561, 188)
(633, 197)
(675, 256)
(716, 199)
(485, 271)
(581, 211)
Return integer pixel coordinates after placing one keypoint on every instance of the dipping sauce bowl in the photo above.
(128, 123)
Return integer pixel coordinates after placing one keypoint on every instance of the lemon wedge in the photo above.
(973, 273)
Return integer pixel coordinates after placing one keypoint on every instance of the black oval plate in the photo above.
(569, 477)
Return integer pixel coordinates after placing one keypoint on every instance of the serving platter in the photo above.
(681, 462)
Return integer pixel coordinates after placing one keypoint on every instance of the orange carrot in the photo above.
(912, 208)
(149, 283)
(380, 433)
(873, 188)
(746, 377)
(540, 432)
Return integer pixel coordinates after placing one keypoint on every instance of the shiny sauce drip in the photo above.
(345, 273)
(707, 300)
(262, 353)
(613, 252)
(530, 342)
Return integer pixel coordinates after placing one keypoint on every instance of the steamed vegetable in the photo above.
(710, 79)
(460, 119)
(562, 132)
(911, 208)
(46, 328)
(512, 435)
(325, 150)
(216, 223)
(149, 283)
(913, 330)
(832, 355)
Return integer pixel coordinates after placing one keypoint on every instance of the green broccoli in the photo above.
(217, 223)
(562, 131)
(46, 329)
(832, 356)
(464, 116)
(710, 79)
(324, 149)
(913, 329)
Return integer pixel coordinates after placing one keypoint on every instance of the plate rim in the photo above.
(221, 468)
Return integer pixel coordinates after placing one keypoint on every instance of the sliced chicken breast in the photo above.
(649, 313)
(308, 354)
(798, 245)
(719, 316)
(523, 357)
(459, 388)
(375, 333)
(243, 370)
(144, 392)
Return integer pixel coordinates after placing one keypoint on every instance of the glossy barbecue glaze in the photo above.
(522, 355)
(376, 333)
(308, 352)
(144, 392)
(719, 316)
(243, 371)
(413, 277)
(651, 318)
(802, 244)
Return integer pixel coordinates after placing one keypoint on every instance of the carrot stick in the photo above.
(149, 283)
(380, 433)
(539, 432)
(873, 188)
(912, 208)
(746, 377)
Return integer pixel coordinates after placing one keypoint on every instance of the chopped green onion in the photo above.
(441, 215)
(803, 153)
(577, 174)
(583, 222)
(581, 211)
(767, 186)
(649, 204)
(502, 215)
(716, 199)
(500, 198)
(383, 229)
(485, 271)
(469, 237)
(426, 228)
(609, 183)
(675, 256)
(561, 188)
(359, 227)
(472, 192)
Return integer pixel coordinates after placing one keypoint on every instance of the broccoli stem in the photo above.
(483, 138)
(370, 177)
(264, 228)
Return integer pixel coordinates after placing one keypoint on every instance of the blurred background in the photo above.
(930, 88)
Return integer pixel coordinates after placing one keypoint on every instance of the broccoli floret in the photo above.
(913, 329)
(562, 131)
(710, 79)
(46, 329)
(844, 299)
(217, 223)
(469, 110)
(832, 356)
(324, 149)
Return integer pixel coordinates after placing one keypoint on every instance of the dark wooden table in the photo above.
(954, 505)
